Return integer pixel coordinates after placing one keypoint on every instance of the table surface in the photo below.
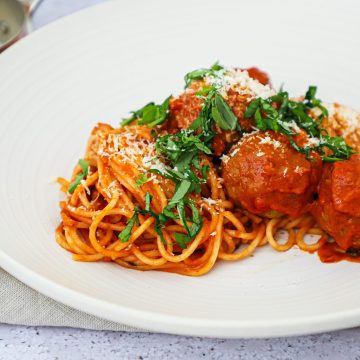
(20, 342)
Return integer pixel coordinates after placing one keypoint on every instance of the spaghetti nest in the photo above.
(122, 209)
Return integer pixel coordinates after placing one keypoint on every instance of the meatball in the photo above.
(239, 90)
(266, 175)
(185, 108)
(337, 210)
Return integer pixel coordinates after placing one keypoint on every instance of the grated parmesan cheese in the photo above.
(233, 153)
(268, 140)
(210, 201)
(83, 183)
(239, 81)
(312, 141)
(129, 148)
(290, 124)
(224, 158)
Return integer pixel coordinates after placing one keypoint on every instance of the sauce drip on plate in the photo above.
(331, 253)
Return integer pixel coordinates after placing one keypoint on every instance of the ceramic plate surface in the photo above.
(96, 65)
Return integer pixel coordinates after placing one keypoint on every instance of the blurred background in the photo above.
(50, 10)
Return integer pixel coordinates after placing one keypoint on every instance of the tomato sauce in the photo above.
(338, 206)
(258, 75)
(265, 173)
(331, 253)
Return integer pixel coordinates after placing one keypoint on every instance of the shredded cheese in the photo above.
(239, 81)
(224, 158)
(268, 140)
(83, 183)
(129, 148)
(312, 141)
(210, 201)
(234, 152)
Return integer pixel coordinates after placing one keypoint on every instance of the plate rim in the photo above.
(172, 324)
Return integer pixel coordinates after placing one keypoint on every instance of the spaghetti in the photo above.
(127, 202)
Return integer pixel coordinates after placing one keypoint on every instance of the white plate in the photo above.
(100, 63)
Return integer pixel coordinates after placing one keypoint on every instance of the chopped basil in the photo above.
(179, 202)
(141, 180)
(135, 114)
(312, 101)
(159, 223)
(148, 199)
(182, 148)
(289, 112)
(304, 150)
(337, 145)
(195, 218)
(85, 170)
(182, 151)
(222, 113)
(181, 239)
(182, 215)
(181, 191)
(125, 235)
(201, 73)
(215, 109)
(204, 91)
(151, 114)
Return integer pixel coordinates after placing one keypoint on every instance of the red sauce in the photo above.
(265, 173)
(258, 75)
(238, 104)
(346, 186)
(218, 145)
(338, 204)
(185, 108)
(331, 252)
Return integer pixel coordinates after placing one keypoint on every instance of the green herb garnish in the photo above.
(196, 226)
(141, 180)
(151, 114)
(85, 170)
(290, 114)
(201, 73)
(283, 119)
(125, 235)
(181, 148)
(340, 150)
(177, 201)
(181, 239)
(182, 152)
(135, 114)
(222, 113)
